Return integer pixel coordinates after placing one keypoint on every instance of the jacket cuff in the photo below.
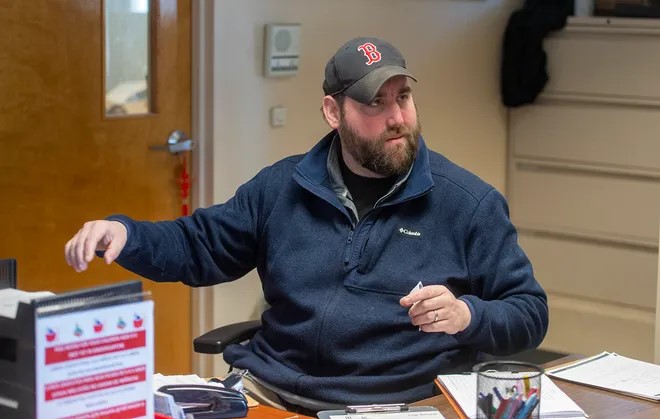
(127, 222)
(475, 319)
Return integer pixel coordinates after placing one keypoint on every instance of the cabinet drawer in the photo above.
(586, 329)
(620, 208)
(624, 137)
(615, 274)
(604, 64)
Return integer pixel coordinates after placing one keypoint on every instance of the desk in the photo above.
(596, 403)
(267, 412)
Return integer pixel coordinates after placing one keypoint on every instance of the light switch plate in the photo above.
(277, 116)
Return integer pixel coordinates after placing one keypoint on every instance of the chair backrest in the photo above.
(7, 273)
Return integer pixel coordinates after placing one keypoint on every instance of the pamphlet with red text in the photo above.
(96, 362)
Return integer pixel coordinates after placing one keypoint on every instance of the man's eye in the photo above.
(403, 98)
(375, 103)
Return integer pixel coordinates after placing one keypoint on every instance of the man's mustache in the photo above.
(398, 131)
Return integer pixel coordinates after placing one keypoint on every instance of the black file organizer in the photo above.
(17, 362)
(17, 341)
(7, 273)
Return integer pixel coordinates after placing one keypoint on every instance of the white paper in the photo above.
(164, 380)
(419, 286)
(12, 404)
(614, 372)
(96, 363)
(554, 402)
(10, 297)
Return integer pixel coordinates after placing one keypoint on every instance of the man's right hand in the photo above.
(95, 235)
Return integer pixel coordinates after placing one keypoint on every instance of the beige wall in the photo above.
(453, 48)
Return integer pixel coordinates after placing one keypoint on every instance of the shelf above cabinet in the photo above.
(612, 24)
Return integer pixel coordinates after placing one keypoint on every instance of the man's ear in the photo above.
(331, 111)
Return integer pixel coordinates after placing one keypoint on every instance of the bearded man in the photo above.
(384, 264)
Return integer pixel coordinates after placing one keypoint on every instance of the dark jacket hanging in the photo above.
(524, 71)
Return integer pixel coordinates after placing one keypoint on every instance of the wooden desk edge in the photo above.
(595, 402)
(266, 412)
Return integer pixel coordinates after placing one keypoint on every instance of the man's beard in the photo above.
(375, 155)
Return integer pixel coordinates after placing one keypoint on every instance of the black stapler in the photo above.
(208, 402)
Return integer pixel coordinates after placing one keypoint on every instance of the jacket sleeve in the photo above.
(213, 245)
(508, 306)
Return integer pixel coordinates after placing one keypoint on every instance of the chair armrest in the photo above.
(216, 340)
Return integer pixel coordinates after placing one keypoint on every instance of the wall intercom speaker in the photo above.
(281, 49)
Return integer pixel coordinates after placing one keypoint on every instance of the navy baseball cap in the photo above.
(361, 66)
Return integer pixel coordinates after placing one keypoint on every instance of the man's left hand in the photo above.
(435, 309)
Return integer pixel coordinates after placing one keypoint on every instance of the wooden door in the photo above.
(63, 162)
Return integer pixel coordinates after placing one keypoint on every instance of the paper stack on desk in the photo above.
(164, 380)
(461, 392)
(613, 372)
(10, 297)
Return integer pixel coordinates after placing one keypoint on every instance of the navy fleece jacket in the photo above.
(335, 330)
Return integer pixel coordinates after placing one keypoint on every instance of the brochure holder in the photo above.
(18, 360)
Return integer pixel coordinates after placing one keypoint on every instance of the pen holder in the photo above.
(508, 390)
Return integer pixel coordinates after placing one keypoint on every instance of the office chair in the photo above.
(7, 273)
(216, 340)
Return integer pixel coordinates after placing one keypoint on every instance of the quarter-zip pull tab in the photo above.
(347, 251)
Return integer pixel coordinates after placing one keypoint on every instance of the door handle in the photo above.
(177, 142)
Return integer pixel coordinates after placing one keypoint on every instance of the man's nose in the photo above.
(394, 116)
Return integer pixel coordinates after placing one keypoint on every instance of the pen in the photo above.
(392, 407)
(486, 404)
(497, 393)
(501, 409)
(528, 407)
(513, 407)
(513, 391)
(531, 391)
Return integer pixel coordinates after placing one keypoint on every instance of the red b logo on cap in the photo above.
(371, 52)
